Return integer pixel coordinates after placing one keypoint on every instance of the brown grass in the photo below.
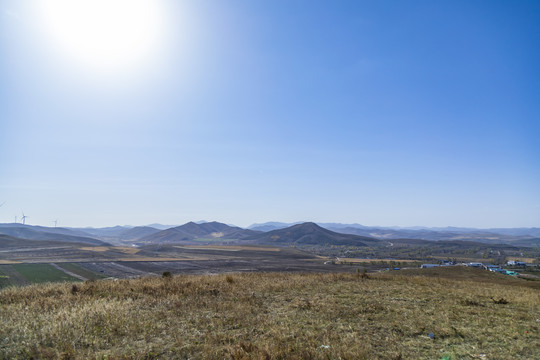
(9, 262)
(124, 249)
(149, 258)
(273, 316)
(95, 248)
(354, 260)
(227, 247)
(524, 259)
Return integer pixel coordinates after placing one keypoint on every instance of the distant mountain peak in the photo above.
(308, 226)
(191, 231)
(309, 233)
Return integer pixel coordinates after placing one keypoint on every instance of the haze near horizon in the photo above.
(388, 113)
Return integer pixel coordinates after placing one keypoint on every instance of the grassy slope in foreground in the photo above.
(276, 316)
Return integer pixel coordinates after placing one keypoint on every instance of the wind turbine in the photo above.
(55, 222)
(2, 204)
(23, 218)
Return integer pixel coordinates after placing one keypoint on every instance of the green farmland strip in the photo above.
(40, 273)
(13, 277)
(4, 279)
(80, 270)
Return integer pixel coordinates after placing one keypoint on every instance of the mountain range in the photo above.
(311, 234)
(42, 233)
(270, 233)
(494, 235)
(192, 231)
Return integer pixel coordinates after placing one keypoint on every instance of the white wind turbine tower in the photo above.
(55, 222)
(23, 218)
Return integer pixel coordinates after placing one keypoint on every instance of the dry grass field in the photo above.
(9, 262)
(524, 259)
(368, 261)
(123, 249)
(451, 313)
(227, 247)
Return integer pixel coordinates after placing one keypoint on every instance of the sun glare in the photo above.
(107, 36)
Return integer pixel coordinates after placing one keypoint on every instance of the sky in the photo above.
(388, 113)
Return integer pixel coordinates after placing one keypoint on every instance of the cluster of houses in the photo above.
(489, 267)
(516, 263)
(493, 268)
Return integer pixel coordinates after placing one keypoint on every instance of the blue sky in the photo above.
(380, 113)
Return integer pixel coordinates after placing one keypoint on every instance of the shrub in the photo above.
(469, 302)
(364, 274)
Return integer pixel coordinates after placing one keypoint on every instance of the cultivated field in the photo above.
(451, 313)
(40, 273)
(75, 263)
(25, 274)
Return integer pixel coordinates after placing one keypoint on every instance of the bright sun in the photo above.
(107, 36)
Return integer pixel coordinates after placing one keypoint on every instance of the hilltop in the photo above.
(311, 234)
(191, 231)
(276, 316)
